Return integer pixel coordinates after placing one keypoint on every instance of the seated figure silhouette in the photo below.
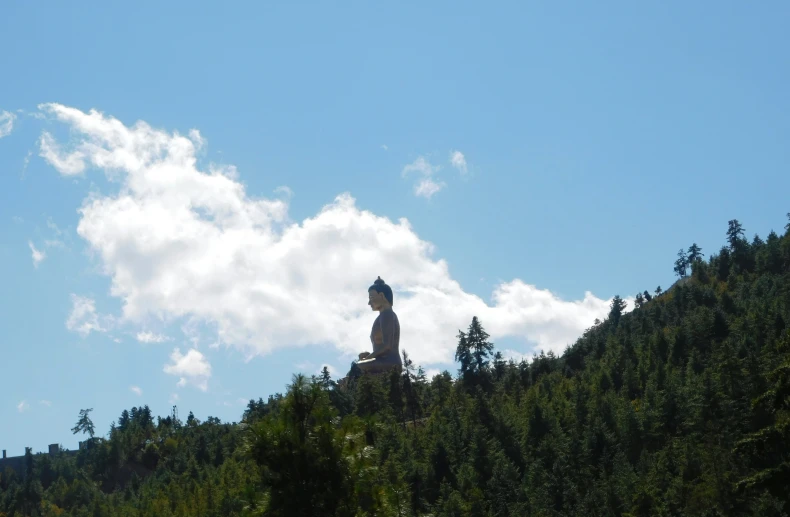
(385, 334)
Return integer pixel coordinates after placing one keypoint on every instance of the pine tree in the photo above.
(326, 378)
(694, 253)
(681, 264)
(481, 348)
(463, 354)
(84, 424)
(734, 234)
(616, 309)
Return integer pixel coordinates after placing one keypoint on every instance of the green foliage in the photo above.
(679, 407)
(84, 424)
(681, 264)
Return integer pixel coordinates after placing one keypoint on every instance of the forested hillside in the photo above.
(680, 406)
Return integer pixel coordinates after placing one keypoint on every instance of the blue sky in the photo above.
(544, 158)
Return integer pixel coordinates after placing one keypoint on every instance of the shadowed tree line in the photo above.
(680, 406)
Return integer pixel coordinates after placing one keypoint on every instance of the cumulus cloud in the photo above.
(515, 356)
(83, 318)
(150, 337)
(430, 373)
(191, 368)
(22, 406)
(199, 141)
(38, 256)
(68, 164)
(6, 123)
(136, 390)
(183, 243)
(458, 160)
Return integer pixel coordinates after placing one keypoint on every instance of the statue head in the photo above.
(379, 295)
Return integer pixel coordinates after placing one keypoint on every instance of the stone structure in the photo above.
(385, 334)
(17, 463)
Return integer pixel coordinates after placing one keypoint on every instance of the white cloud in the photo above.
(427, 188)
(25, 164)
(136, 390)
(45, 403)
(430, 373)
(384, 146)
(334, 372)
(17, 219)
(304, 366)
(516, 356)
(71, 164)
(191, 368)
(54, 243)
(22, 406)
(458, 160)
(54, 227)
(38, 256)
(197, 139)
(173, 398)
(6, 123)
(182, 243)
(420, 166)
(150, 337)
(83, 318)
(285, 191)
(50, 243)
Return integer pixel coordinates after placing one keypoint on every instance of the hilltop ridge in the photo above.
(680, 406)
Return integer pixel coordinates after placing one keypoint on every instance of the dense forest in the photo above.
(679, 406)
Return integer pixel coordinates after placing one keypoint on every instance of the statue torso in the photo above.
(386, 331)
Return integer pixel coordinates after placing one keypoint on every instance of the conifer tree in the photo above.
(480, 347)
(84, 424)
(734, 234)
(681, 264)
(694, 253)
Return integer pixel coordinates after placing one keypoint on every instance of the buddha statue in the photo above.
(385, 334)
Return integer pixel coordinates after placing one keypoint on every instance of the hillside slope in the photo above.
(678, 407)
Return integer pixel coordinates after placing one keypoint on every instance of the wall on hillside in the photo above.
(17, 463)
